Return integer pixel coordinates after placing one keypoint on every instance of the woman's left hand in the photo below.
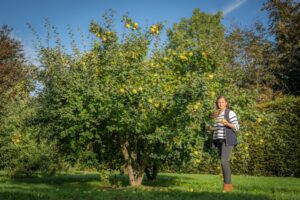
(224, 121)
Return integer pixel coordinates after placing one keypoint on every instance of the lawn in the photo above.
(80, 185)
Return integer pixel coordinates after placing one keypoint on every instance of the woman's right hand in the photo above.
(214, 114)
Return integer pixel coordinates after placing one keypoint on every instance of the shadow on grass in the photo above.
(82, 186)
(59, 179)
(121, 180)
(125, 194)
(19, 195)
(162, 181)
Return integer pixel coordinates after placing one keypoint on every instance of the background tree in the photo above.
(284, 25)
(252, 58)
(201, 60)
(12, 64)
(104, 101)
(21, 152)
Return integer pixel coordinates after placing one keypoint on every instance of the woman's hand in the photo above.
(215, 114)
(226, 123)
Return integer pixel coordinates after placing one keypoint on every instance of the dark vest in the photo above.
(230, 135)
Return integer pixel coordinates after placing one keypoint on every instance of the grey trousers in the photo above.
(224, 154)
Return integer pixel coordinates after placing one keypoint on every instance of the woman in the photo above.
(224, 137)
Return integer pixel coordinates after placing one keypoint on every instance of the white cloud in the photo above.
(230, 8)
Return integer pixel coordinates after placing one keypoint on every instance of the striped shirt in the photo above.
(219, 127)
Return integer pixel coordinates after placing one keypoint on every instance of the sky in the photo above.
(78, 14)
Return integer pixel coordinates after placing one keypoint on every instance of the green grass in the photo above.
(88, 186)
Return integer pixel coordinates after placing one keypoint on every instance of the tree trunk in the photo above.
(135, 175)
(151, 172)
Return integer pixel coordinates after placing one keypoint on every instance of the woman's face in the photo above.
(222, 104)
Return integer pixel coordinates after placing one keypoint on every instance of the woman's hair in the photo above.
(222, 97)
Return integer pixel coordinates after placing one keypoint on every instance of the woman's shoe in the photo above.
(227, 187)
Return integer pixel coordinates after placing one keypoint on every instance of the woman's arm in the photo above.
(233, 124)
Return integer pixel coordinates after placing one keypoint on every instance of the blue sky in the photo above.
(79, 13)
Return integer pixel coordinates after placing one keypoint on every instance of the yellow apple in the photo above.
(127, 25)
(122, 90)
(210, 76)
(196, 107)
(183, 57)
(134, 91)
(198, 161)
(261, 141)
(223, 121)
(196, 152)
(154, 29)
(104, 39)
